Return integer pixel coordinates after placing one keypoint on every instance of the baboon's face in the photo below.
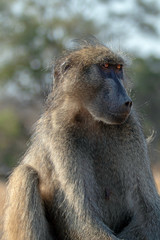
(94, 76)
(108, 100)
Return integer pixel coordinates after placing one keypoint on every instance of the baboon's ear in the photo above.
(65, 66)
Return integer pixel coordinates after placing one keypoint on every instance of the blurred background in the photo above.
(33, 32)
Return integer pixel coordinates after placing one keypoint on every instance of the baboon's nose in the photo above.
(128, 104)
(126, 107)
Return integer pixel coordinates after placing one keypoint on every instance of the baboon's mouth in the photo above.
(119, 113)
(120, 119)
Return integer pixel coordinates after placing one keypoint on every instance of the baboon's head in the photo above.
(93, 76)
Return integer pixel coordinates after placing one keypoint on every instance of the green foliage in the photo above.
(146, 88)
(147, 85)
(35, 38)
(9, 123)
(10, 135)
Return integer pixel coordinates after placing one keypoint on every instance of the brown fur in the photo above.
(86, 174)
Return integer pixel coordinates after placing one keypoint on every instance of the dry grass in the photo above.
(156, 174)
(2, 196)
(2, 201)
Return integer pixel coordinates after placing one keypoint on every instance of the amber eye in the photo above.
(106, 65)
(119, 66)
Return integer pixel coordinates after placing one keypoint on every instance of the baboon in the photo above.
(86, 175)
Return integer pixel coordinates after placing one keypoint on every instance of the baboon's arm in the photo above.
(147, 212)
(24, 216)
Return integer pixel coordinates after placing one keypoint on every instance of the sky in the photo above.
(145, 44)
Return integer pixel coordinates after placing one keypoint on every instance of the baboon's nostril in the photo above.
(128, 104)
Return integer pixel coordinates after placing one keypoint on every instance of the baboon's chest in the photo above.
(115, 182)
(115, 201)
